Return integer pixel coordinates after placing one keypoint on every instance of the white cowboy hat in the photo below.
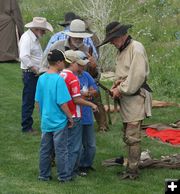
(41, 23)
(78, 29)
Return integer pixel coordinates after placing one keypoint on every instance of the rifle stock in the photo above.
(108, 93)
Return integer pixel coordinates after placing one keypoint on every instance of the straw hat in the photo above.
(41, 23)
(78, 29)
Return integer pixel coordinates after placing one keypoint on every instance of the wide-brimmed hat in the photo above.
(77, 56)
(78, 29)
(114, 30)
(40, 23)
(68, 17)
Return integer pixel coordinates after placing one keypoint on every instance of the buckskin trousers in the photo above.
(132, 138)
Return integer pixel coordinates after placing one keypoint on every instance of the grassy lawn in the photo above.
(156, 26)
(19, 152)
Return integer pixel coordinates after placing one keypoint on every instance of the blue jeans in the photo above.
(89, 146)
(30, 81)
(58, 139)
(74, 145)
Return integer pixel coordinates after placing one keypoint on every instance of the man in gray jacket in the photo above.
(131, 89)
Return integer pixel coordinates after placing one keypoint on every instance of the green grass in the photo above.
(19, 152)
(155, 24)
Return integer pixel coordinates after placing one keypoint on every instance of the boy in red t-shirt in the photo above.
(73, 85)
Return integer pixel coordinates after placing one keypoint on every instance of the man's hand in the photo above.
(92, 60)
(35, 70)
(116, 83)
(116, 93)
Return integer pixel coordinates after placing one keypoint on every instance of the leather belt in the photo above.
(26, 70)
(145, 86)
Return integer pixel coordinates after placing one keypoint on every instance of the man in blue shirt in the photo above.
(51, 97)
(69, 16)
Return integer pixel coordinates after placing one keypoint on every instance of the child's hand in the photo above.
(70, 123)
(95, 108)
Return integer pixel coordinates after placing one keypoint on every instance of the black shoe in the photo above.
(31, 132)
(40, 178)
(83, 174)
(65, 181)
(90, 168)
(82, 171)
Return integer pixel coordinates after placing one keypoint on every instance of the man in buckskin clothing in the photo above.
(131, 89)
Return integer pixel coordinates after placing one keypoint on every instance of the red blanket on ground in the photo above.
(167, 135)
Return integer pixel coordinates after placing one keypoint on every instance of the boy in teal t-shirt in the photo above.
(51, 97)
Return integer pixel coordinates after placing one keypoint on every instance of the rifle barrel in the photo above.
(108, 91)
(105, 88)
